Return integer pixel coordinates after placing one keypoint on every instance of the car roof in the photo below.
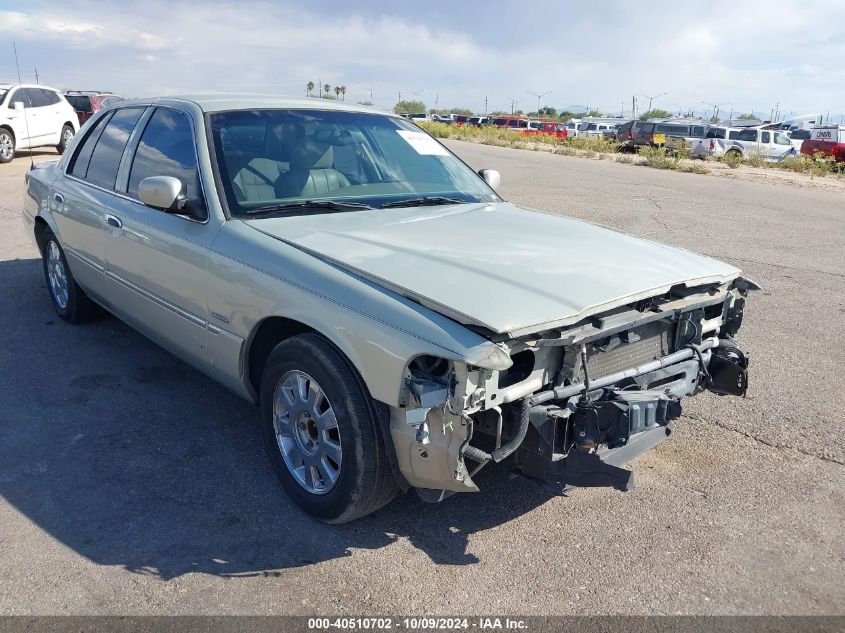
(7, 86)
(91, 93)
(226, 102)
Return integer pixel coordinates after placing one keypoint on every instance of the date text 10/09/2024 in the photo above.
(416, 624)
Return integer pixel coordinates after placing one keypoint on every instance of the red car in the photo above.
(553, 128)
(512, 122)
(88, 102)
(829, 140)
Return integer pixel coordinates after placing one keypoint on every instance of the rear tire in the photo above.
(66, 138)
(7, 146)
(69, 300)
(321, 433)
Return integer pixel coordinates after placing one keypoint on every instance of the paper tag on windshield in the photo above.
(423, 143)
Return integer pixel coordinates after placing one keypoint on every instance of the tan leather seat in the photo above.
(255, 181)
(310, 177)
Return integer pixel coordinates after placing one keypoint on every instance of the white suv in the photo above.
(34, 116)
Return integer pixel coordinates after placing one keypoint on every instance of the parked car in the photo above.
(510, 122)
(798, 136)
(624, 135)
(681, 135)
(572, 127)
(88, 102)
(553, 128)
(827, 139)
(266, 241)
(596, 129)
(460, 119)
(34, 116)
(478, 121)
(747, 142)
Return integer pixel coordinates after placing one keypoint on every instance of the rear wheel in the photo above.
(69, 300)
(7, 146)
(66, 138)
(321, 432)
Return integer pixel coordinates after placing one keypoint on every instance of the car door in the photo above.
(20, 119)
(82, 197)
(156, 262)
(782, 146)
(38, 116)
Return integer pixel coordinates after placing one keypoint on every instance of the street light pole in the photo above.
(539, 96)
(715, 107)
(651, 99)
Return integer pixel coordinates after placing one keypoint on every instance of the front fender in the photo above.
(253, 276)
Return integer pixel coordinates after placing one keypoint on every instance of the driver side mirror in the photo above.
(18, 106)
(164, 193)
(491, 177)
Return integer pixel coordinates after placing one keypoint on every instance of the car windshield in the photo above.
(270, 158)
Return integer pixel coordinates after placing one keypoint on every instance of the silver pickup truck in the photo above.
(398, 323)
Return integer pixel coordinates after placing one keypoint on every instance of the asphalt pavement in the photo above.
(132, 484)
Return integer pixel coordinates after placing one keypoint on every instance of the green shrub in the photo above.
(659, 158)
(758, 160)
(732, 159)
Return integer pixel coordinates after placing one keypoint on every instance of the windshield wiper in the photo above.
(309, 205)
(422, 202)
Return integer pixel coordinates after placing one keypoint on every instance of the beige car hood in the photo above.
(495, 265)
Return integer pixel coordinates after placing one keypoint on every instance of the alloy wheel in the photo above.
(306, 432)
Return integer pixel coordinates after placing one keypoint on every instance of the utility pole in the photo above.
(716, 107)
(36, 75)
(634, 107)
(485, 105)
(320, 84)
(371, 93)
(539, 96)
(436, 100)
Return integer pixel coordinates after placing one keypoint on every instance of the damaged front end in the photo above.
(569, 406)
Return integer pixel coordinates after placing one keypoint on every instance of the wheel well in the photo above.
(41, 227)
(269, 333)
(70, 125)
(9, 130)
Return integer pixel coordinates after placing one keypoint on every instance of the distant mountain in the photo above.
(573, 108)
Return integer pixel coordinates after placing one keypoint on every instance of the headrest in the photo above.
(326, 160)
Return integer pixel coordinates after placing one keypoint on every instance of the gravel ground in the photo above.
(131, 484)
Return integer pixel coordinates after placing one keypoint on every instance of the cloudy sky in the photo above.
(743, 54)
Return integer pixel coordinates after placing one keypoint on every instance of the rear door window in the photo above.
(697, 131)
(102, 169)
(747, 135)
(50, 97)
(81, 103)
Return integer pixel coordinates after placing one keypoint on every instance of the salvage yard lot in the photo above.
(131, 484)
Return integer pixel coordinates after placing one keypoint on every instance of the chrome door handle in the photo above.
(114, 221)
(59, 198)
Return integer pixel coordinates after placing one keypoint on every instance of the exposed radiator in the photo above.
(656, 340)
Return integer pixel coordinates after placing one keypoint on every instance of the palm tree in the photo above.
(309, 87)
(337, 91)
(327, 89)
(343, 92)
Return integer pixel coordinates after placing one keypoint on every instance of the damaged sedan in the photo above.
(399, 324)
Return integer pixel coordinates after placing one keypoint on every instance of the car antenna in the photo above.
(25, 120)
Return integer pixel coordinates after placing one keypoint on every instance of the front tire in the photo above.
(66, 138)
(7, 146)
(69, 300)
(321, 432)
